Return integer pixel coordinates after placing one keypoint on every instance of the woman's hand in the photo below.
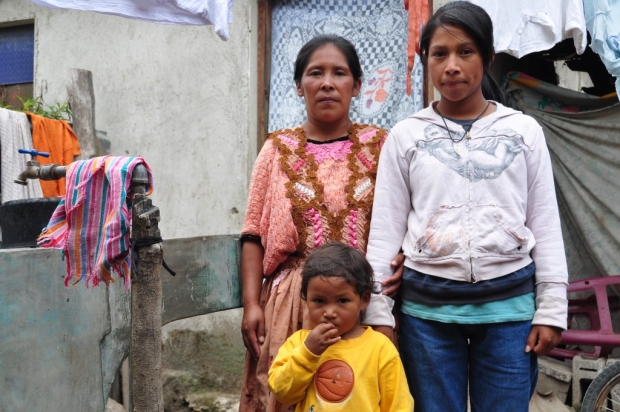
(322, 337)
(253, 322)
(543, 339)
(390, 285)
(253, 329)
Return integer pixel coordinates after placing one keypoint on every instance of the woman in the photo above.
(465, 187)
(311, 185)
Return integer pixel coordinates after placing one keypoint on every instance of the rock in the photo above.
(547, 403)
(212, 402)
(113, 406)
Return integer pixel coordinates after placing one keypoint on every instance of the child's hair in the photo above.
(474, 20)
(345, 46)
(338, 260)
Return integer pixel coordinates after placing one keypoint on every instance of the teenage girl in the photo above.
(465, 187)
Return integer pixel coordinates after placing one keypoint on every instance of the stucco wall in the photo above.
(176, 95)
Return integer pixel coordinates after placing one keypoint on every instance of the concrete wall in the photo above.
(176, 95)
(439, 3)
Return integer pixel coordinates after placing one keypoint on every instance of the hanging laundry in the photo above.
(521, 27)
(93, 220)
(217, 13)
(603, 23)
(15, 134)
(56, 138)
(418, 15)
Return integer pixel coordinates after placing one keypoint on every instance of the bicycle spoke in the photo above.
(615, 405)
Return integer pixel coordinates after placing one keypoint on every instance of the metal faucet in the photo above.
(34, 170)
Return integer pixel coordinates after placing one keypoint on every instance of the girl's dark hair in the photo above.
(474, 20)
(338, 260)
(344, 45)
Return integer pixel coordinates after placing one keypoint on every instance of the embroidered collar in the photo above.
(314, 222)
(338, 139)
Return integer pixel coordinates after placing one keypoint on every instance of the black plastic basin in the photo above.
(23, 220)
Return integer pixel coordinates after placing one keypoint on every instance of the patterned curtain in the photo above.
(379, 31)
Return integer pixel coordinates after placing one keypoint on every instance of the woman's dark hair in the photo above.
(341, 261)
(474, 20)
(344, 45)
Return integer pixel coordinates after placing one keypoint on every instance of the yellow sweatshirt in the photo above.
(371, 378)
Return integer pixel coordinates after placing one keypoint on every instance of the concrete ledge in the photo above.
(554, 376)
(584, 371)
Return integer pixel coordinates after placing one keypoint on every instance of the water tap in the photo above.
(34, 170)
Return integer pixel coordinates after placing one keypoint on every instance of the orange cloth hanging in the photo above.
(418, 16)
(56, 138)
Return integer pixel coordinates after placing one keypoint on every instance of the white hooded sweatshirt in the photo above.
(468, 207)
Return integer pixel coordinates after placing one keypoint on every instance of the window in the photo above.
(16, 63)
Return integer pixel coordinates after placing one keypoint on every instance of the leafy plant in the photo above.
(36, 105)
(59, 111)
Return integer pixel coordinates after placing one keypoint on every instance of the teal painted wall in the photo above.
(60, 347)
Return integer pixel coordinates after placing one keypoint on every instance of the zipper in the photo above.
(472, 277)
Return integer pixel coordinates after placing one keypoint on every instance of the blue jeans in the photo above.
(442, 359)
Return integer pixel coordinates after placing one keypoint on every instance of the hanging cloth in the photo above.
(217, 13)
(603, 23)
(15, 134)
(581, 131)
(92, 222)
(379, 32)
(521, 27)
(56, 138)
(418, 16)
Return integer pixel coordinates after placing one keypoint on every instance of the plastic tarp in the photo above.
(583, 135)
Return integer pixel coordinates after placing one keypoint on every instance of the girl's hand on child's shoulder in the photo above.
(392, 284)
(322, 337)
(386, 330)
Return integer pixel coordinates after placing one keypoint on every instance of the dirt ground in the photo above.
(202, 370)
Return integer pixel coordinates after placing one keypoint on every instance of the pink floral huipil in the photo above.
(303, 194)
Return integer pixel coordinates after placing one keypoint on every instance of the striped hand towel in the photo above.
(93, 220)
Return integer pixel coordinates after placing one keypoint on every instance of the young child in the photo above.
(465, 187)
(339, 365)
